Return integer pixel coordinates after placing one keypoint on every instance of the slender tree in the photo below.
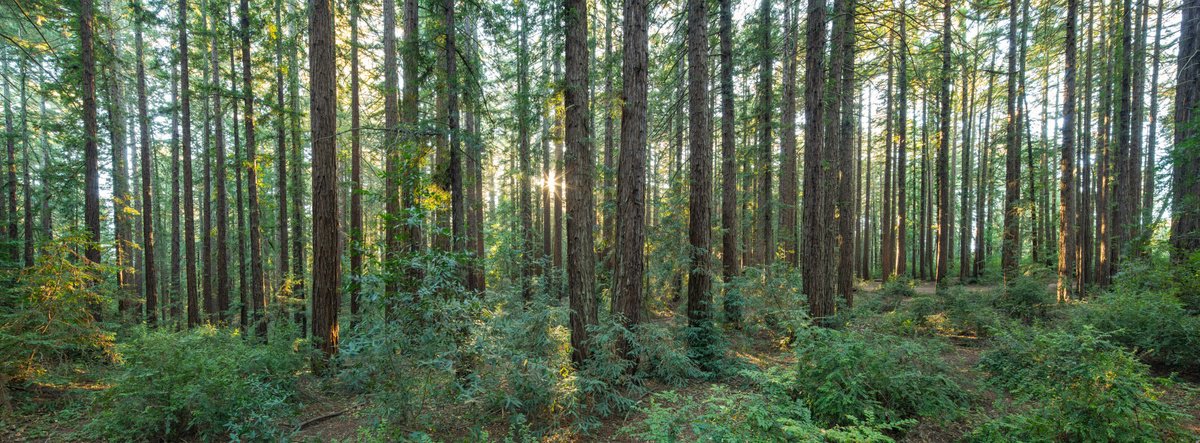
(787, 173)
(765, 226)
(147, 164)
(356, 191)
(818, 224)
(1012, 171)
(326, 270)
(281, 172)
(258, 299)
(699, 137)
(943, 161)
(729, 221)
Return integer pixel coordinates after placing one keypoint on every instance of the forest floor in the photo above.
(961, 356)
(329, 416)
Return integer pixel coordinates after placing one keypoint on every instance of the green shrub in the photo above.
(769, 302)
(896, 290)
(1074, 386)
(208, 382)
(764, 412)
(1151, 324)
(1025, 299)
(848, 377)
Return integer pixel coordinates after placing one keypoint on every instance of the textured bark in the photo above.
(222, 201)
(356, 191)
(258, 298)
(631, 173)
(845, 153)
(901, 185)
(964, 228)
(189, 209)
(581, 255)
(391, 149)
(788, 235)
(1066, 205)
(122, 229)
(281, 193)
(525, 171)
(457, 218)
(766, 238)
(26, 178)
(1185, 223)
(147, 164)
(700, 198)
(1010, 252)
(887, 251)
(326, 271)
(943, 161)
(818, 228)
(1149, 187)
(730, 264)
(410, 168)
(1124, 192)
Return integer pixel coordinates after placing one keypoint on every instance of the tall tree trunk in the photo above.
(901, 185)
(818, 209)
(700, 186)
(391, 149)
(147, 163)
(1011, 250)
(281, 173)
(456, 183)
(729, 219)
(356, 191)
(1066, 206)
(787, 174)
(222, 245)
(943, 161)
(122, 230)
(189, 208)
(206, 210)
(526, 169)
(1185, 223)
(964, 228)
(631, 173)
(887, 252)
(843, 154)
(765, 70)
(258, 298)
(326, 270)
(581, 255)
(1149, 187)
(1124, 189)
(410, 174)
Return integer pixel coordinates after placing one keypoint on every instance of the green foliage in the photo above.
(1025, 299)
(770, 302)
(952, 311)
(47, 315)
(896, 290)
(1075, 386)
(847, 377)
(1150, 323)
(764, 412)
(209, 382)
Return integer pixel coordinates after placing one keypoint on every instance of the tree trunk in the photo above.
(818, 210)
(122, 231)
(943, 161)
(729, 219)
(258, 298)
(787, 174)
(356, 191)
(526, 169)
(326, 270)
(1066, 206)
(631, 174)
(391, 148)
(844, 153)
(281, 194)
(189, 208)
(1185, 223)
(901, 184)
(147, 164)
(700, 145)
(765, 161)
(1010, 252)
(222, 245)
(581, 255)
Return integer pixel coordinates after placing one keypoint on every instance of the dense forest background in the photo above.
(599, 220)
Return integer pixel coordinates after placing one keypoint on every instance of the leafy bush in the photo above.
(1150, 323)
(1075, 386)
(847, 377)
(896, 290)
(1025, 299)
(770, 302)
(206, 382)
(46, 315)
(765, 412)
